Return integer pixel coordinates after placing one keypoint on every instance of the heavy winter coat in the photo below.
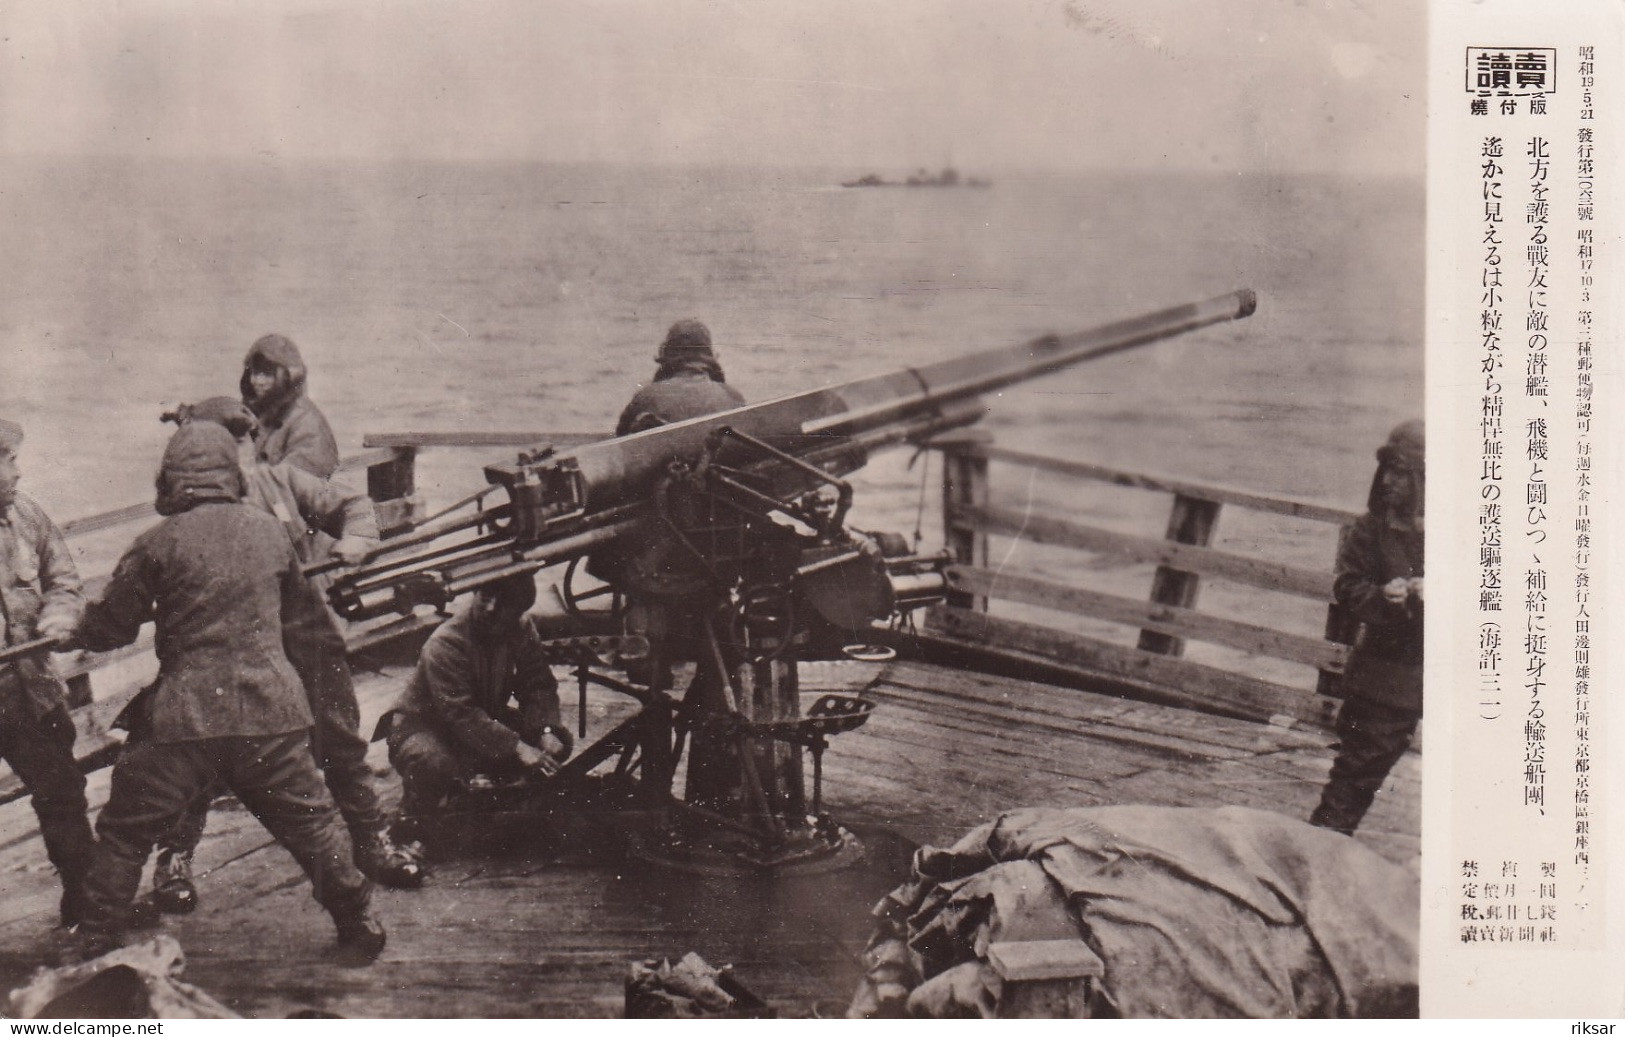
(38, 581)
(1385, 667)
(464, 681)
(689, 392)
(213, 579)
(314, 511)
(292, 429)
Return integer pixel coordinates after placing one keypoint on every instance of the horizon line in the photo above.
(834, 168)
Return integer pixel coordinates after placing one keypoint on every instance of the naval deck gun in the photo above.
(737, 521)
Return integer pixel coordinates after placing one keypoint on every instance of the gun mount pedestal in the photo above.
(745, 806)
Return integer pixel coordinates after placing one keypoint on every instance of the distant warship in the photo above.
(949, 177)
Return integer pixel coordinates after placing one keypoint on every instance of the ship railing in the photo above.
(1129, 617)
(100, 684)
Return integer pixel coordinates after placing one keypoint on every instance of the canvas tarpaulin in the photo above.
(1195, 913)
(141, 981)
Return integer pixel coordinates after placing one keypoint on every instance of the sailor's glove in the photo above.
(1396, 590)
(556, 741)
(352, 550)
(59, 629)
(532, 758)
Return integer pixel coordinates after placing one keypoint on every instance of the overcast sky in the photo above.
(883, 84)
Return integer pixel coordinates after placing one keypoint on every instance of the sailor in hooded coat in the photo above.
(227, 705)
(457, 717)
(688, 383)
(1378, 578)
(292, 429)
(322, 519)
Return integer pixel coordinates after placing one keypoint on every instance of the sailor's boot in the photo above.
(172, 888)
(73, 902)
(361, 938)
(384, 861)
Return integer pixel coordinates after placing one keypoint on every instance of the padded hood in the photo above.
(278, 353)
(1405, 449)
(200, 464)
(231, 414)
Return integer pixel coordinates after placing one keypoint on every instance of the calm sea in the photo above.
(532, 296)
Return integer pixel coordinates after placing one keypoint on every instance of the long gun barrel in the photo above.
(879, 400)
(823, 424)
(562, 505)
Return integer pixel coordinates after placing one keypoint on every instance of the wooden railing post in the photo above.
(392, 485)
(394, 478)
(1191, 521)
(964, 485)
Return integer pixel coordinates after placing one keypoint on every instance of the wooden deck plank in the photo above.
(1078, 784)
(1268, 759)
(559, 937)
(1042, 724)
(515, 936)
(969, 722)
(1214, 735)
(975, 776)
(1199, 685)
(1266, 766)
(952, 726)
(975, 758)
(919, 791)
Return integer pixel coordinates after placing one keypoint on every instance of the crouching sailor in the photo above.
(227, 706)
(454, 719)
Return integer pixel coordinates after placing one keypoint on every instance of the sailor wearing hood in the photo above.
(292, 429)
(321, 519)
(1379, 580)
(227, 707)
(688, 383)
